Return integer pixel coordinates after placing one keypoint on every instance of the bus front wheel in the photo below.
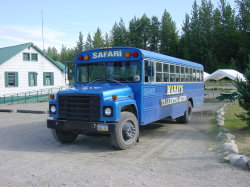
(126, 131)
(186, 118)
(64, 136)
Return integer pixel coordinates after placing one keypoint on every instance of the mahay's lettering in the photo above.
(175, 89)
(107, 54)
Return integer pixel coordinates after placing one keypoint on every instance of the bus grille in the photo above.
(79, 107)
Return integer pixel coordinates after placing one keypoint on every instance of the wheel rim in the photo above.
(128, 131)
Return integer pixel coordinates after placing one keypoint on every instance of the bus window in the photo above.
(182, 74)
(177, 75)
(159, 72)
(149, 71)
(194, 75)
(198, 75)
(146, 71)
(172, 73)
(186, 75)
(166, 73)
(190, 74)
(202, 76)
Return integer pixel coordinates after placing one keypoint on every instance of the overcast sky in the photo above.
(20, 21)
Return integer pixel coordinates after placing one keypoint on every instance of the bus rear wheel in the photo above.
(64, 136)
(126, 131)
(186, 118)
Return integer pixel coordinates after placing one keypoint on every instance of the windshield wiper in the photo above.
(103, 79)
(100, 79)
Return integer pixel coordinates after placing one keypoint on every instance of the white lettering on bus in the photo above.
(173, 100)
(104, 54)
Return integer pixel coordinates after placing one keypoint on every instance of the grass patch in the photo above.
(231, 120)
(238, 128)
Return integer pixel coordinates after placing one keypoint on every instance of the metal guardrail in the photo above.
(30, 96)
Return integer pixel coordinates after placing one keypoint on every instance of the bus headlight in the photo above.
(53, 109)
(108, 111)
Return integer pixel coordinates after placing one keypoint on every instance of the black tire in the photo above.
(186, 118)
(64, 136)
(126, 131)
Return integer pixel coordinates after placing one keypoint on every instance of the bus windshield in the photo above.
(129, 71)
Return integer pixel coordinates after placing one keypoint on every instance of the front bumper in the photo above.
(80, 126)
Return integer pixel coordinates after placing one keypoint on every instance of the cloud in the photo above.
(22, 34)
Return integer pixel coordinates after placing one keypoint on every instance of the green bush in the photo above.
(244, 96)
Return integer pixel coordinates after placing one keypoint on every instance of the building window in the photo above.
(26, 56)
(48, 78)
(11, 79)
(34, 57)
(32, 78)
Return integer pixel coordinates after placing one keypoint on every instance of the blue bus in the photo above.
(120, 88)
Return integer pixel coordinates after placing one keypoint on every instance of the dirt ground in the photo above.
(168, 154)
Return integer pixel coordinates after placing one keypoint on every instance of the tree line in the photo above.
(217, 37)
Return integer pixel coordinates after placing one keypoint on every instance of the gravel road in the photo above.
(168, 154)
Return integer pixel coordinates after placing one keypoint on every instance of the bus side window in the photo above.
(194, 75)
(198, 75)
(186, 74)
(166, 73)
(146, 71)
(182, 74)
(177, 75)
(158, 72)
(172, 73)
(190, 75)
(202, 76)
(149, 71)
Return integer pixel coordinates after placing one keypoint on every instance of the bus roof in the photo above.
(148, 55)
(161, 57)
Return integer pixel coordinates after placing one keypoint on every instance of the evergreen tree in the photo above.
(52, 52)
(145, 27)
(107, 40)
(243, 22)
(244, 97)
(169, 36)
(135, 39)
(185, 40)
(89, 42)
(98, 40)
(80, 43)
(154, 34)
(119, 34)
(205, 25)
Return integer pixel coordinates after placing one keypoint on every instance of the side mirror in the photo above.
(69, 72)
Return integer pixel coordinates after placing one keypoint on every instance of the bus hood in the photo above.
(105, 90)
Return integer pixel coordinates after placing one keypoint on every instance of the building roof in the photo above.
(222, 73)
(8, 52)
(205, 75)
